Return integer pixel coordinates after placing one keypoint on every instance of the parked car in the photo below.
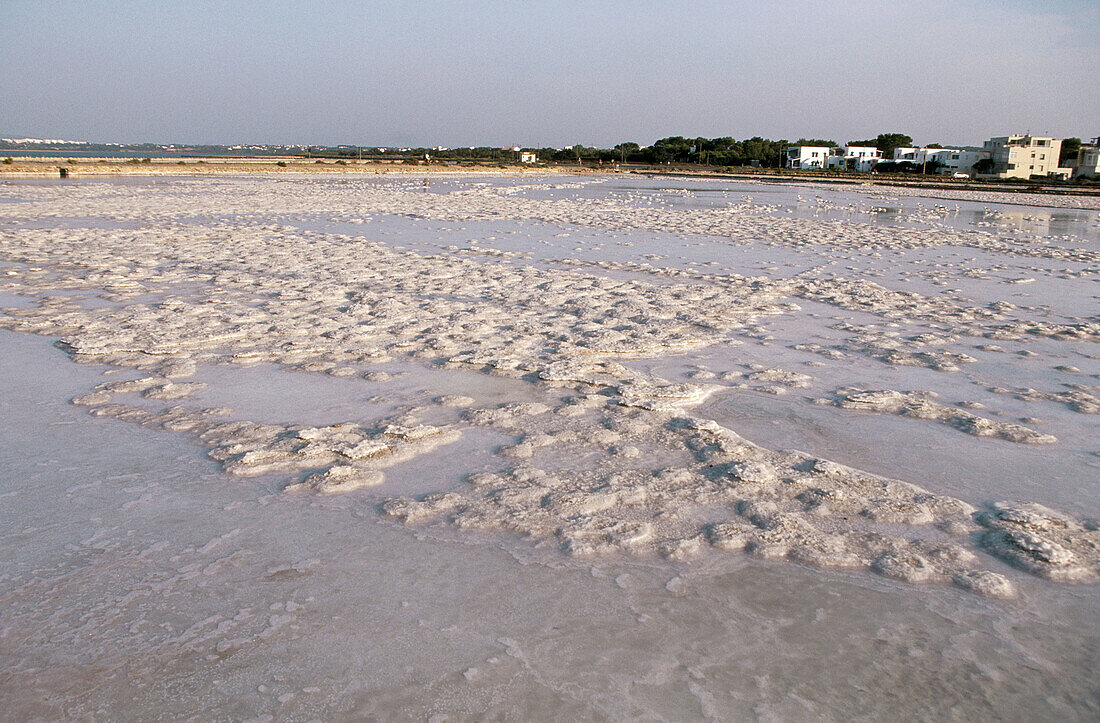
(960, 175)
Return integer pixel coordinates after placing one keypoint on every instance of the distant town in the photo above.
(1015, 156)
(1025, 157)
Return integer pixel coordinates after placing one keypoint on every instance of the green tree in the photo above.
(887, 142)
(1070, 147)
(626, 151)
(758, 149)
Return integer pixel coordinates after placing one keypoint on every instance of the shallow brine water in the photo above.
(547, 448)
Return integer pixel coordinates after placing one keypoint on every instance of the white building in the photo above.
(855, 158)
(1088, 161)
(962, 160)
(923, 155)
(951, 160)
(806, 157)
(849, 158)
(528, 157)
(1025, 156)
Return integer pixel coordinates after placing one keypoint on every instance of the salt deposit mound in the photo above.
(610, 459)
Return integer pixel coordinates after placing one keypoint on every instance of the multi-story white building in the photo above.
(962, 160)
(807, 157)
(951, 160)
(1088, 161)
(855, 158)
(851, 158)
(1025, 156)
(923, 155)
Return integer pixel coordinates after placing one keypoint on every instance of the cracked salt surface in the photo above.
(591, 417)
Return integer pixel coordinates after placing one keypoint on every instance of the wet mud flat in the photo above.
(500, 447)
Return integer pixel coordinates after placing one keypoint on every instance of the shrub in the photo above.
(8, 161)
(985, 165)
(341, 163)
(281, 164)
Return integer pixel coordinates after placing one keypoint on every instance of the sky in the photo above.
(546, 73)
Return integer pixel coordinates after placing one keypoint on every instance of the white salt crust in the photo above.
(611, 462)
(919, 405)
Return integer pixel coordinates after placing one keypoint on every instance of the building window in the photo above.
(1042, 156)
(1012, 166)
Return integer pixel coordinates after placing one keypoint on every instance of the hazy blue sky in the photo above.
(547, 73)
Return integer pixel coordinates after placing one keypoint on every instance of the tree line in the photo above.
(679, 150)
(722, 151)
